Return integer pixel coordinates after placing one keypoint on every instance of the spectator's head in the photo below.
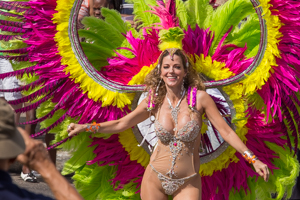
(98, 4)
(11, 141)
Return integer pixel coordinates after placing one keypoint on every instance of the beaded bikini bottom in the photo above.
(171, 185)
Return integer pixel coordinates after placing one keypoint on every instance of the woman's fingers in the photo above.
(260, 173)
(262, 169)
(72, 133)
(266, 173)
(73, 129)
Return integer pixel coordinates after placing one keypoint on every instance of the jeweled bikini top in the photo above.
(188, 133)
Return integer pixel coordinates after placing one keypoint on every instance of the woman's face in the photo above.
(172, 71)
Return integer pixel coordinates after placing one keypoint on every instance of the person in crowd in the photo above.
(15, 144)
(12, 83)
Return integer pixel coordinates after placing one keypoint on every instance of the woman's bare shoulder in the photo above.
(202, 95)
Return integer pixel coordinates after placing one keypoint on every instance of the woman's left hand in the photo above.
(262, 169)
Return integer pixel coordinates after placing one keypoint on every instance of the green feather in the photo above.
(107, 30)
(146, 19)
(93, 182)
(281, 181)
(79, 157)
(114, 18)
(96, 38)
(182, 14)
(256, 101)
(253, 52)
(229, 14)
(199, 11)
(102, 37)
(96, 54)
(249, 33)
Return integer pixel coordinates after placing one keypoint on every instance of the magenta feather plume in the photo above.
(46, 130)
(121, 69)
(65, 98)
(25, 87)
(18, 3)
(47, 88)
(166, 13)
(19, 51)
(7, 6)
(197, 41)
(110, 152)
(11, 15)
(18, 72)
(34, 105)
(236, 174)
(16, 58)
(12, 23)
(9, 37)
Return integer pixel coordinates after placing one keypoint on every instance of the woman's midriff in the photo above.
(187, 162)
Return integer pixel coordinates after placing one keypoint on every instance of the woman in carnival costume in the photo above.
(177, 99)
(254, 63)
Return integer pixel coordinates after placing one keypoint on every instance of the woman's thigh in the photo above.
(151, 188)
(191, 190)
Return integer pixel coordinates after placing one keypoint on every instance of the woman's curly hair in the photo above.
(153, 78)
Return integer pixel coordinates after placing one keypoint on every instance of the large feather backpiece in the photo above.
(223, 43)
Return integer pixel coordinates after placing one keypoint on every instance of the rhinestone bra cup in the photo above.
(188, 133)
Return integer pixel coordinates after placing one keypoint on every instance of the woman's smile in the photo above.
(172, 71)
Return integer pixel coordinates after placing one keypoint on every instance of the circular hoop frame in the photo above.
(117, 87)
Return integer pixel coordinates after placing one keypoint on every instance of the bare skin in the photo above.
(173, 73)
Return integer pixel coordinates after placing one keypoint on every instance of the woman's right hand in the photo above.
(74, 129)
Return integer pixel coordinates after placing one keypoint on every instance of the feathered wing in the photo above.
(66, 100)
(110, 166)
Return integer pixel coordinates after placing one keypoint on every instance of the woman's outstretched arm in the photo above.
(206, 104)
(115, 126)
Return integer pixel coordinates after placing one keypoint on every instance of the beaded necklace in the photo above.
(191, 99)
(175, 111)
